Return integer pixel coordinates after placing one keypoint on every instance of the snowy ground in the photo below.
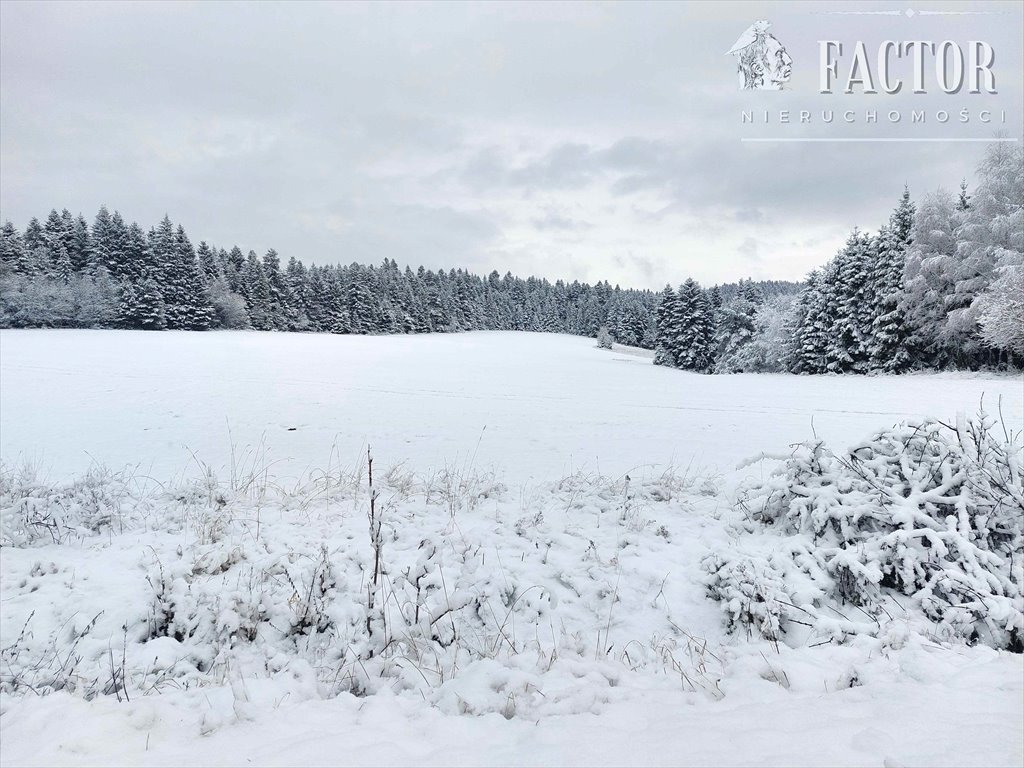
(538, 606)
(531, 405)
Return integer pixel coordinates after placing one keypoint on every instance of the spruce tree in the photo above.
(296, 279)
(279, 303)
(849, 283)
(177, 273)
(963, 202)
(14, 256)
(704, 333)
(142, 307)
(735, 331)
(61, 268)
(889, 335)
(665, 345)
(362, 310)
(136, 261)
(35, 237)
(57, 233)
(208, 266)
(928, 273)
(256, 291)
(813, 326)
(692, 340)
(234, 270)
(81, 248)
(103, 248)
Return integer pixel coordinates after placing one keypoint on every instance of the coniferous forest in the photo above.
(66, 273)
(939, 286)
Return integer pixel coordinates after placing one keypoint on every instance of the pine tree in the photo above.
(162, 259)
(704, 333)
(14, 256)
(664, 349)
(735, 331)
(177, 274)
(234, 270)
(141, 306)
(81, 247)
(279, 305)
(963, 202)
(296, 279)
(208, 266)
(256, 290)
(715, 296)
(888, 351)
(812, 325)
(136, 261)
(362, 308)
(695, 334)
(104, 252)
(848, 349)
(61, 268)
(889, 332)
(59, 233)
(35, 237)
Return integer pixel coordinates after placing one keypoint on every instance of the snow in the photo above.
(234, 602)
(533, 405)
(893, 724)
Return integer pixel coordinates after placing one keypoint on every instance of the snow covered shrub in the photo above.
(462, 595)
(1002, 310)
(229, 309)
(80, 301)
(752, 592)
(34, 512)
(604, 338)
(931, 511)
(766, 592)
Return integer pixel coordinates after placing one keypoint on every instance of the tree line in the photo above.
(939, 286)
(66, 273)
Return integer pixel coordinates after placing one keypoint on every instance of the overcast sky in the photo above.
(589, 141)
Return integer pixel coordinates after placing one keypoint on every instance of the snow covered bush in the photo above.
(458, 592)
(1002, 310)
(752, 592)
(604, 338)
(930, 511)
(33, 511)
(229, 308)
(80, 301)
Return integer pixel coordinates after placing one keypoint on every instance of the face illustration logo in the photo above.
(761, 60)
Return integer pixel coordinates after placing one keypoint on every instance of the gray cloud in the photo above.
(748, 249)
(647, 268)
(552, 221)
(551, 138)
(567, 166)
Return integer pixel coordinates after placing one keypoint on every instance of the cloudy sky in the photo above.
(589, 141)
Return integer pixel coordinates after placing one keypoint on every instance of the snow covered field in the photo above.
(529, 405)
(535, 605)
